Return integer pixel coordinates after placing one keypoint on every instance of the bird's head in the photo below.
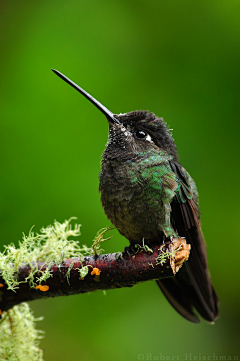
(133, 133)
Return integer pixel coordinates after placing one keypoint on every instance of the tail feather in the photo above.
(184, 298)
(177, 298)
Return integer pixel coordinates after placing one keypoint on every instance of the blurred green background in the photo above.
(179, 59)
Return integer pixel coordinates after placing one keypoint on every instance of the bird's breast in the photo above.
(134, 196)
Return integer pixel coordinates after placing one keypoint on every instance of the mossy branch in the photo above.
(40, 271)
(50, 264)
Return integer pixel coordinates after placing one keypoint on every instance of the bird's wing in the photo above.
(191, 287)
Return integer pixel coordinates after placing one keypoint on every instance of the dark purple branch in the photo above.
(116, 271)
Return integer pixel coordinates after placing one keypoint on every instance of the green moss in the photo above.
(145, 247)
(96, 247)
(161, 259)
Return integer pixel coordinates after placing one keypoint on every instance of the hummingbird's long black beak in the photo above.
(95, 102)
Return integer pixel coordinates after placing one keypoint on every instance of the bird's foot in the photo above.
(131, 250)
(179, 251)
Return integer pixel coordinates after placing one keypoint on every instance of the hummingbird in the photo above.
(148, 195)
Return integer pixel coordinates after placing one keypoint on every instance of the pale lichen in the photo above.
(51, 246)
(83, 271)
(19, 339)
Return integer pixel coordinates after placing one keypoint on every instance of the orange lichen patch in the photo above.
(0, 312)
(80, 278)
(42, 288)
(1, 285)
(95, 271)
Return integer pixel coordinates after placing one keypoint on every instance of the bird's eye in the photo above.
(140, 134)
